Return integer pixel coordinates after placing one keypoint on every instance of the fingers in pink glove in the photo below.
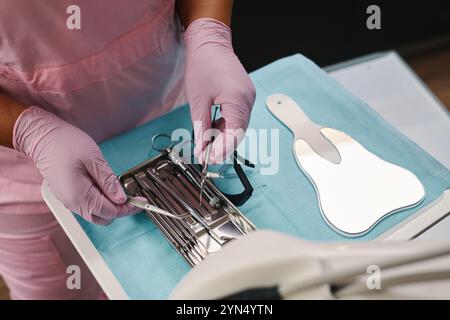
(232, 131)
(98, 220)
(105, 199)
(97, 204)
(77, 172)
(104, 178)
(114, 204)
(215, 76)
(201, 120)
(229, 131)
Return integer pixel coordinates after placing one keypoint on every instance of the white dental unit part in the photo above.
(355, 188)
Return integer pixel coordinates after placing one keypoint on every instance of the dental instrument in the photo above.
(147, 206)
(171, 185)
(207, 155)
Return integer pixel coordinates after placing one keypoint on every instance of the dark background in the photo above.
(334, 31)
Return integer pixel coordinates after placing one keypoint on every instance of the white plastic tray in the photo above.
(393, 90)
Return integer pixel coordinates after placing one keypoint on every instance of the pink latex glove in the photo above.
(215, 76)
(72, 164)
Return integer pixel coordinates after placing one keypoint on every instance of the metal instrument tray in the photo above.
(166, 181)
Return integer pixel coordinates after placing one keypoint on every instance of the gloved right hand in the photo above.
(72, 164)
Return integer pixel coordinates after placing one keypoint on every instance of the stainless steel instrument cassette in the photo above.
(172, 188)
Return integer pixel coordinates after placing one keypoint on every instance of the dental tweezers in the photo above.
(207, 155)
(144, 205)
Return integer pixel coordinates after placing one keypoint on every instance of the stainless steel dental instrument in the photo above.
(188, 234)
(183, 202)
(172, 185)
(207, 155)
(188, 246)
(161, 136)
(204, 171)
(213, 175)
(170, 237)
(193, 176)
(147, 206)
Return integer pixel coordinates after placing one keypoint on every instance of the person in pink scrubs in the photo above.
(76, 72)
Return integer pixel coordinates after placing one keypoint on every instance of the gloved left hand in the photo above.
(72, 164)
(215, 76)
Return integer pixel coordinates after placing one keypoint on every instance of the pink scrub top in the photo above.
(123, 67)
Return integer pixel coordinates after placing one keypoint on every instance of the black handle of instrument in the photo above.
(241, 198)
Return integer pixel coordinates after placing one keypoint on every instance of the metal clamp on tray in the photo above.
(196, 230)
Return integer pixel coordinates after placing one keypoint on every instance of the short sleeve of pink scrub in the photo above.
(104, 66)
